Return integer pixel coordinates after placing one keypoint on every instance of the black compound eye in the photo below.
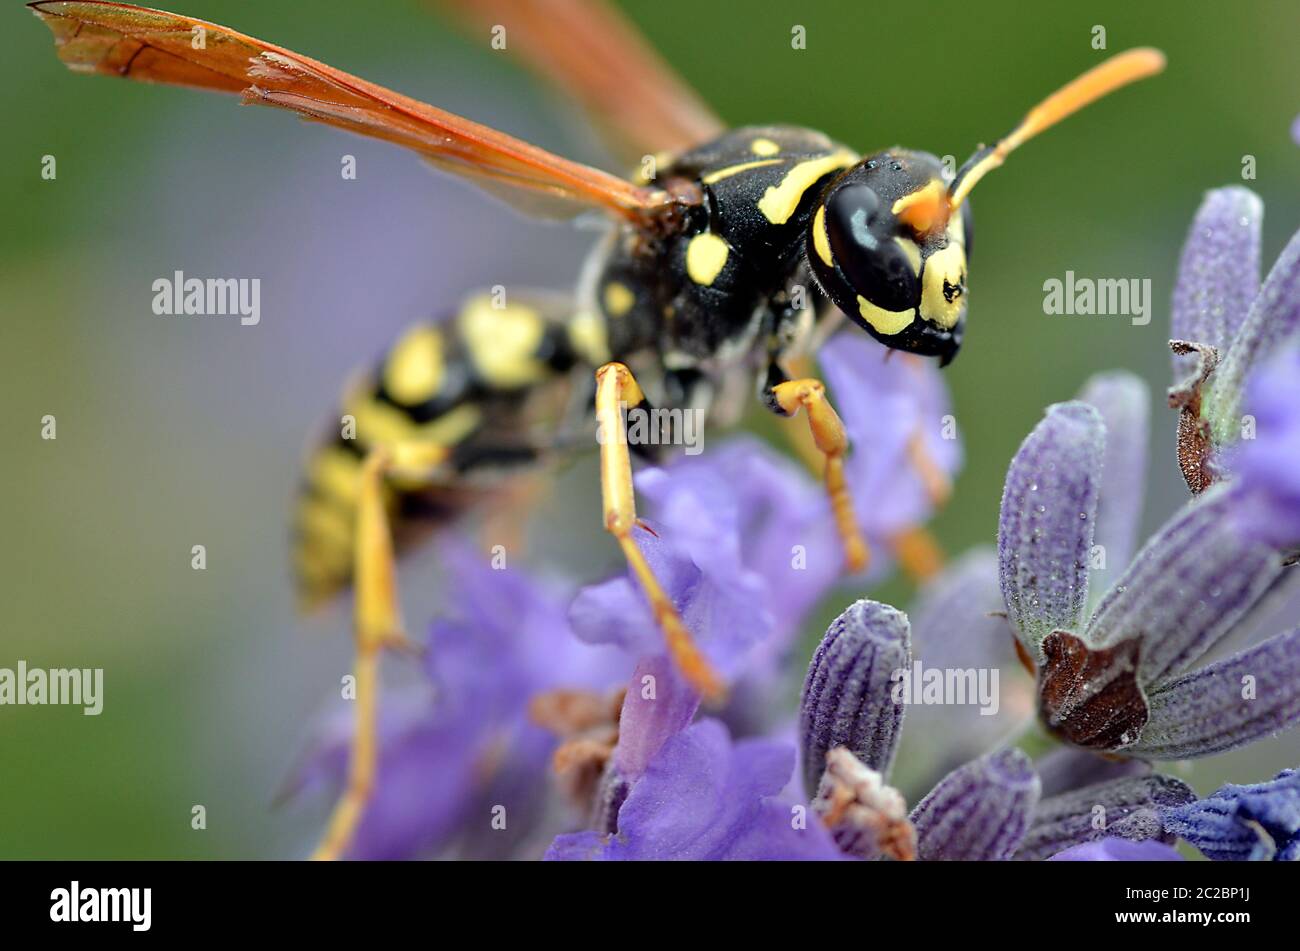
(862, 239)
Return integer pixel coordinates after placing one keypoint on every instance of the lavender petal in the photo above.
(1260, 822)
(1126, 807)
(847, 696)
(1185, 591)
(1114, 849)
(658, 705)
(978, 812)
(1266, 465)
(1125, 405)
(1218, 275)
(1274, 318)
(1045, 530)
(1065, 769)
(1208, 711)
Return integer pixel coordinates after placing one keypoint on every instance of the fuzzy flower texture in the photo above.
(548, 720)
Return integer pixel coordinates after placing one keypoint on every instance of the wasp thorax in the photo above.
(888, 252)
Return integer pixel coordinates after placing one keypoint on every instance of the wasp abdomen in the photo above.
(482, 384)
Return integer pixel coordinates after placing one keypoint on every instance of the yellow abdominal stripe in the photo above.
(335, 473)
(706, 256)
(414, 370)
(326, 526)
(503, 341)
(380, 424)
(780, 201)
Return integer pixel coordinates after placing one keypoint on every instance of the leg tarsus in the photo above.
(616, 389)
(938, 487)
(362, 764)
(377, 624)
(832, 442)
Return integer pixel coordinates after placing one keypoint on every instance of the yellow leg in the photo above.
(615, 389)
(937, 484)
(377, 623)
(832, 442)
(918, 552)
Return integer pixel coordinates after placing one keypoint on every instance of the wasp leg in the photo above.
(377, 623)
(832, 442)
(918, 552)
(616, 389)
(937, 484)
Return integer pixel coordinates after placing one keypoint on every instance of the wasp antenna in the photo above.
(1101, 80)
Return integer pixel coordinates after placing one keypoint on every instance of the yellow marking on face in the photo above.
(913, 252)
(730, 170)
(884, 321)
(503, 342)
(945, 266)
(618, 299)
(414, 369)
(957, 229)
(588, 337)
(764, 147)
(821, 243)
(706, 256)
(780, 201)
(924, 209)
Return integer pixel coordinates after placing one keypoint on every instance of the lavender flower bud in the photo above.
(847, 697)
(978, 812)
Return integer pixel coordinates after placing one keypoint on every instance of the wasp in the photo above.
(724, 264)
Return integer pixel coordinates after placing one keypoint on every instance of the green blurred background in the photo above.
(175, 432)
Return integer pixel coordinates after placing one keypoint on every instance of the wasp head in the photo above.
(887, 250)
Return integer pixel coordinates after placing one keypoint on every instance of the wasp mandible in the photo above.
(728, 261)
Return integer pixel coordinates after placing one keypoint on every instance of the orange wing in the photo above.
(118, 39)
(592, 52)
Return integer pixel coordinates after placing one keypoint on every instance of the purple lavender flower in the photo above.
(1244, 823)
(850, 714)
(993, 807)
(706, 797)
(463, 745)
(1124, 678)
(1126, 807)
(848, 683)
(730, 533)
(1118, 850)
(1224, 324)
(1268, 465)
(895, 409)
